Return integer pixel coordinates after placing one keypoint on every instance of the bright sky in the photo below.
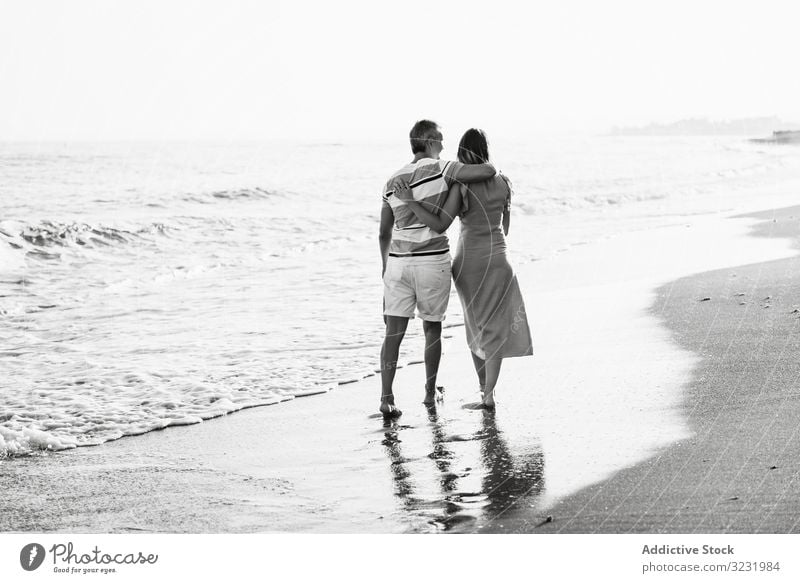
(350, 70)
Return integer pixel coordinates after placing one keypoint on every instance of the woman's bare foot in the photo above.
(486, 402)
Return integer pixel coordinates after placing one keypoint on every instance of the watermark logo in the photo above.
(31, 556)
(519, 318)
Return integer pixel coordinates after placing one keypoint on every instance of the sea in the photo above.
(152, 284)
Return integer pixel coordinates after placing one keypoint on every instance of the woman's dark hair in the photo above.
(473, 147)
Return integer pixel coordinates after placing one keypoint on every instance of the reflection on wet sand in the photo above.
(466, 479)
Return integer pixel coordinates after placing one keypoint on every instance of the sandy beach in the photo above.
(737, 471)
(661, 397)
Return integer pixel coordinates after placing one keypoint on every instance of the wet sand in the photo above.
(694, 398)
(318, 464)
(738, 472)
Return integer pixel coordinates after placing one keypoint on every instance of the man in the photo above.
(416, 259)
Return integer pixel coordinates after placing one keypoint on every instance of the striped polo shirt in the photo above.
(430, 180)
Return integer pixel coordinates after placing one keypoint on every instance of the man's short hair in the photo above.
(423, 131)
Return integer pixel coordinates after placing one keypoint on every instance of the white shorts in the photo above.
(409, 283)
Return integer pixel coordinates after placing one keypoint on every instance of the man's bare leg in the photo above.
(395, 331)
(433, 356)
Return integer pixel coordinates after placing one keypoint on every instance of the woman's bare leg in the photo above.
(480, 369)
(492, 374)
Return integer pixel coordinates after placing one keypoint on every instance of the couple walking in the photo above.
(420, 201)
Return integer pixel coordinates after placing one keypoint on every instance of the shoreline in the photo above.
(330, 465)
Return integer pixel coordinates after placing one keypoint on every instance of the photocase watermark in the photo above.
(31, 556)
(519, 319)
(67, 560)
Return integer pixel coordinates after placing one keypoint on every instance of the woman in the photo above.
(494, 311)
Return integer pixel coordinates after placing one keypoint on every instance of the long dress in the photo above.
(494, 311)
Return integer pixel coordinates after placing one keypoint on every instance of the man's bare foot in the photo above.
(433, 395)
(389, 410)
(430, 396)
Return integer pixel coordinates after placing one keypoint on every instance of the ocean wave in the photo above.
(100, 411)
(239, 194)
(45, 238)
(563, 204)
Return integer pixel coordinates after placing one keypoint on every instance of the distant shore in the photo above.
(708, 127)
(780, 137)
